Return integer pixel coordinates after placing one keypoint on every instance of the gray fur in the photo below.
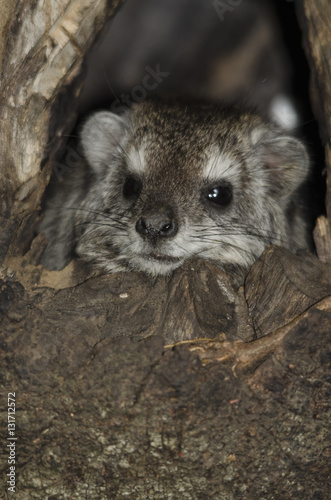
(176, 152)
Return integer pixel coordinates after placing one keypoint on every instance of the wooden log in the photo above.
(315, 20)
(281, 286)
(43, 47)
(113, 418)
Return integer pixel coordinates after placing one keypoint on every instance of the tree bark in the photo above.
(42, 55)
(111, 401)
(315, 20)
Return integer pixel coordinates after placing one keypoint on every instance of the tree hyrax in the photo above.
(165, 182)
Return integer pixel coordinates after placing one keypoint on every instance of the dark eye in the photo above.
(220, 195)
(131, 188)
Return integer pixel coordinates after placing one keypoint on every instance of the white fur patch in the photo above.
(221, 166)
(137, 160)
(257, 134)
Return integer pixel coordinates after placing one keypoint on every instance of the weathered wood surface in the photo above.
(104, 408)
(322, 238)
(315, 20)
(107, 411)
(282, 285)
(44, 44)
(197, 301)
(112, 418)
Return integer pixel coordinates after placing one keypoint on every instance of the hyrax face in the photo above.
(173, 182)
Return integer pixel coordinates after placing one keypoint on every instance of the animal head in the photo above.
(172, 182)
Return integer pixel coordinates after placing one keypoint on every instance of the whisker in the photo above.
(237, 230)
(121, 229)
(94, 212)
(231, 245)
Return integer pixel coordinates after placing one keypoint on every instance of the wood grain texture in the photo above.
(41, 76)
(116, 418)
(197, 301)
(315, 20)
(322, 238)
(282, 285)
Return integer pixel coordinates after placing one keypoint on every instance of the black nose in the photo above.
(156, 226)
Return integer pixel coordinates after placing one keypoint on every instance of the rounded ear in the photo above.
(286, 162)
(101, 138)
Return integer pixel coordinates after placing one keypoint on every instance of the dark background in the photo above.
(212, 59)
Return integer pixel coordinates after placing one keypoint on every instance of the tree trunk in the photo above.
(315, 20)
(110, 402)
